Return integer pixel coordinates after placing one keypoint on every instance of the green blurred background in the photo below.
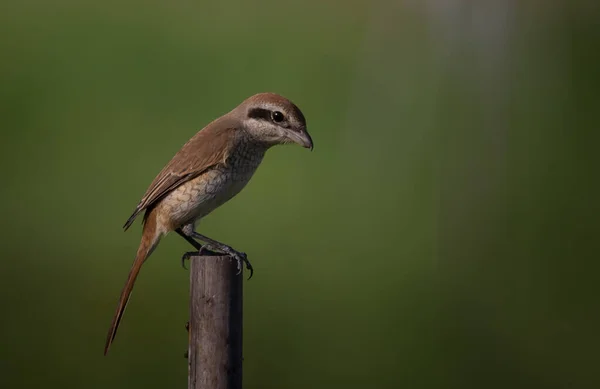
(443, 234)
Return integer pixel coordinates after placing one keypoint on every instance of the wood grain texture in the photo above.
(215, 331)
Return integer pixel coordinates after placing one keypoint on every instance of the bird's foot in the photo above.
(213, 250)
(240, 257)
(207, 248)
(185, 257)
(237, 255)
(204, 250)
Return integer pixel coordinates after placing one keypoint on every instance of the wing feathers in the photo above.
(209, 147)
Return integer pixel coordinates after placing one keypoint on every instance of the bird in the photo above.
(212, 167)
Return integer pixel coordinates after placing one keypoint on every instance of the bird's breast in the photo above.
(198, 197)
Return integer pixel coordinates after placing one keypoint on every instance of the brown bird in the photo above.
(211, 168)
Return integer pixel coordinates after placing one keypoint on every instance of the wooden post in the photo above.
(215, 328)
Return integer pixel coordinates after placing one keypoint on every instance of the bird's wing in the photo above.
(209, 147)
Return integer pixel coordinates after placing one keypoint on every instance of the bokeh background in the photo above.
(443, 234)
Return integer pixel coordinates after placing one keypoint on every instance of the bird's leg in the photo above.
(187, 232)
(199, 247)
(212, 245)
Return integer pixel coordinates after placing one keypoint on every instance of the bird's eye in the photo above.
(277, 117)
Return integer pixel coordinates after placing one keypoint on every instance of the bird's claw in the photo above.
(187, 256)
(237, 255)
(248, 265)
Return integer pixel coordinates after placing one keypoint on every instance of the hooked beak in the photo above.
(301, 138)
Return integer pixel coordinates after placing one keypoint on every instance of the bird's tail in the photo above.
(150, 239)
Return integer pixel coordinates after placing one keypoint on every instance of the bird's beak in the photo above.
(301, 138)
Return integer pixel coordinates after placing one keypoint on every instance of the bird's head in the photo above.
(273, 120)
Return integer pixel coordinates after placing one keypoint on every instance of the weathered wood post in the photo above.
(215, 327)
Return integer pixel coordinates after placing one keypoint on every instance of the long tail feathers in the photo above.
(149, 241)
